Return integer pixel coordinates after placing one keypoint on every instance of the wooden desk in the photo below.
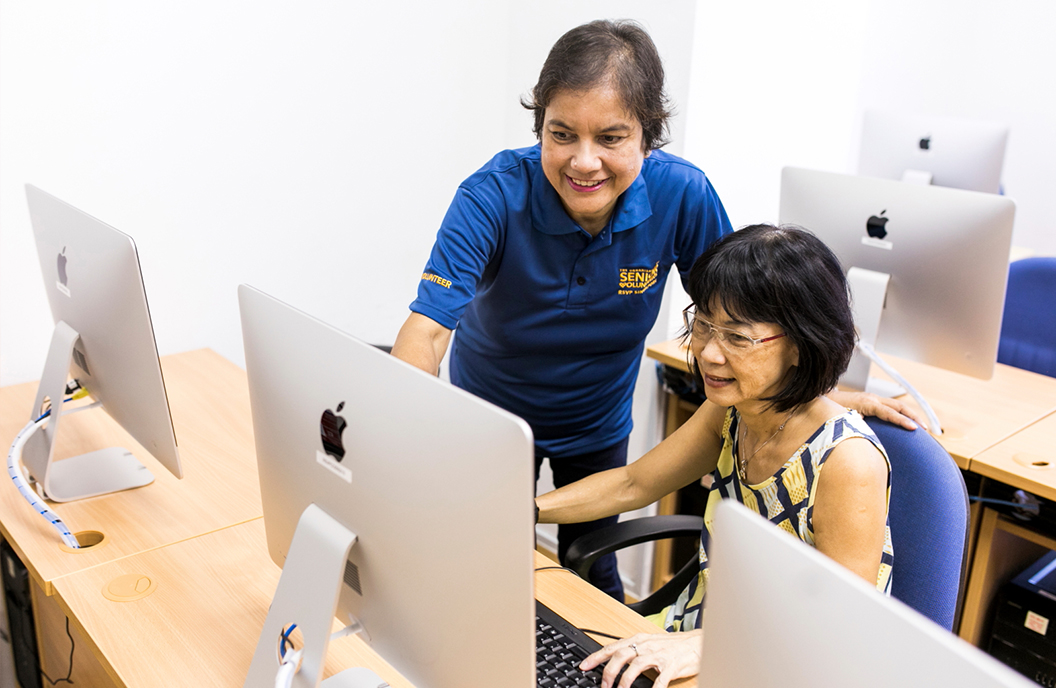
(1027, 461)
(200, 626)
(209, 400)
(200, 539)
(1004, 548)
(976, 414)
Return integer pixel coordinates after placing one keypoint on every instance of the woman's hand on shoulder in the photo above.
(892, 410)
(673, 655)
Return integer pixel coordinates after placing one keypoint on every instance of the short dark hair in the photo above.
(787, 276)
(595, 53)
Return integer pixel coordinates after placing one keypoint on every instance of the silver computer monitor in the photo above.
(943, 151)
(783, 614)
(103, 339)
(927, 265)
(434, 484)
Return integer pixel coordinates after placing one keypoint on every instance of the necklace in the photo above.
(742, 463)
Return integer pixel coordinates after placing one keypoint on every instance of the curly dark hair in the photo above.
(787, 276)
(617, 52)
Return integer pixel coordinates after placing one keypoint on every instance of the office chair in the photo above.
(1028, 330)
(928, 518)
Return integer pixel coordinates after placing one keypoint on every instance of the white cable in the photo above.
(933, 420)
(354, 628)
(14, 462)
(288, 669)
(292, 660)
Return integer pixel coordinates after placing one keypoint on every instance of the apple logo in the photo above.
(331, 426)
(925, 143)
(874, 226)
(62, 267)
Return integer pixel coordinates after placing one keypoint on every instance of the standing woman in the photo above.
(552, 260)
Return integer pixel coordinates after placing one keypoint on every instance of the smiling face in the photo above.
(734, 379)
(592, 152)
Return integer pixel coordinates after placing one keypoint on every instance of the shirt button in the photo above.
(581, 281)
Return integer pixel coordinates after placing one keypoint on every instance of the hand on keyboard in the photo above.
(673, 655)
(560, 647)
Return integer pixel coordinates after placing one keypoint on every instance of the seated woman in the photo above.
(770, 332)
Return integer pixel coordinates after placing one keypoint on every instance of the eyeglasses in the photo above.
(732, 342)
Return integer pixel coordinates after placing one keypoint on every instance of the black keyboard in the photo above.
(560, 647)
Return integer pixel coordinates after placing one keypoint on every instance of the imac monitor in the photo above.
(432, 485)
(783, 614)
(927, 265)
(104, 339)
(943, 151)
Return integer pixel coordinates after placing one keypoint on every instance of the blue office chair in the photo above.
(929, 522)
(929, 530)
(1028, 330)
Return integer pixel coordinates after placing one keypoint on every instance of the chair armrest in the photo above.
(588, 548)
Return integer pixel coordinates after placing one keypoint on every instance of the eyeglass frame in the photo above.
(690, 312)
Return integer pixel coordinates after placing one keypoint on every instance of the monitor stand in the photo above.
(88, 475)
(868, 291)
(308, 594)
(917, 177)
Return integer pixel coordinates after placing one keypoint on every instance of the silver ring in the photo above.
(634, 646)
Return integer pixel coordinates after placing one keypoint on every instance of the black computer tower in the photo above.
(18, 595)
(1024, 628)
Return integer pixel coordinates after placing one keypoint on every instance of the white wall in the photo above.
(774, 84)
(777, 83)
(309, 149)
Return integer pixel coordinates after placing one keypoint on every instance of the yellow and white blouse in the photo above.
(785, 498)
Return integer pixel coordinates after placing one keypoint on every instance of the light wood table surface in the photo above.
(975, 414)
(201, 540)
(198, 628)
(209, 401)
(201, 624)
(1026, 460)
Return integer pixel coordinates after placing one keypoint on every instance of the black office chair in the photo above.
(929, 530)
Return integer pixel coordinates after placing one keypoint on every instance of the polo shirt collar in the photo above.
(549, 216)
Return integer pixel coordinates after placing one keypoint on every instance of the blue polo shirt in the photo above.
(551, 321)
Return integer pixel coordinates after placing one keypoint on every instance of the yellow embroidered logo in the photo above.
(437, 279)
(637, 280)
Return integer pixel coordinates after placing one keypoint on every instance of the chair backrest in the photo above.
(929, 522)
(1028, 329)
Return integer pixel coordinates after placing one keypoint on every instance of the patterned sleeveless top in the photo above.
(785, 498)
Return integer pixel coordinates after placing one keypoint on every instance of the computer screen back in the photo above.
(946, 251)
(780, 613)
(436, 483)
(93, 282)
(958, 153)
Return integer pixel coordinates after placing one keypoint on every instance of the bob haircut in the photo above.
(787, 276)
(603, 51)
